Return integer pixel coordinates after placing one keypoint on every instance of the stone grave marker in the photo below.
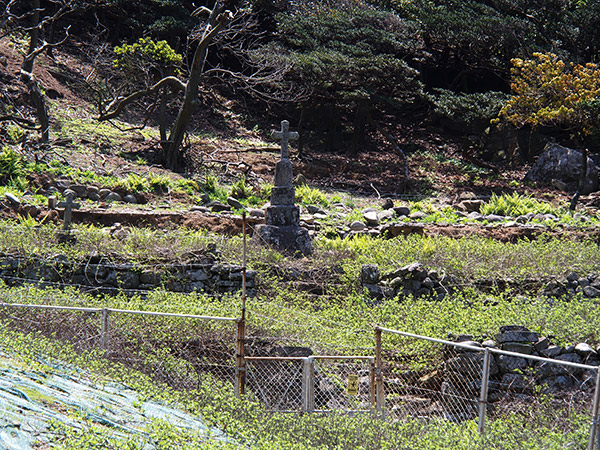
(68, 206)
(282, 229)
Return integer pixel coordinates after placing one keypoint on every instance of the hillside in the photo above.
(448, 302)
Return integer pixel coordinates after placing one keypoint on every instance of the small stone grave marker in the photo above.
(69, 206)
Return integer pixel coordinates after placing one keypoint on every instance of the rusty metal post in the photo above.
(380, 395)
(240, 361)
(373, 399)
(483, 397)
(244, 262)
(104, 333)
(595, 407)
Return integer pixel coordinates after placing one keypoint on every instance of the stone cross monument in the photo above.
(282, 230)
(69, 206)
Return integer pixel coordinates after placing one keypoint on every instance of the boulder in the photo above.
(517, 336)
(234, 203)
(113, 197)
(564, 164)
(469, 205)
(369, 274)
(511, 363)
(401, 211)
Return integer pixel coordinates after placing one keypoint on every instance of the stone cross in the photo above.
(69, 207)
(285, 136)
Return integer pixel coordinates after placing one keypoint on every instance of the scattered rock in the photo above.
(103, 193)
(469, 205)
(357, 226)
(79, 189)
(584, 350)
(388, 203)
(417, 215)
(234, 203)
(385, 215)
(371, 218)
(113, 197)
(258, 213)
(401, 211)
(403, 229)
(369, 274)
(12, 199)
(218, 207)
(130, 198)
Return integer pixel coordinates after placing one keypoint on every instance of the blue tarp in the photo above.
(31, 399)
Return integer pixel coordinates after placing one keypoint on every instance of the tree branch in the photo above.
(46, 45)
(118, 105)
(392, 141)
(21, 121)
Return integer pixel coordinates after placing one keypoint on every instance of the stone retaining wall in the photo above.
(418, 281)
(519, 375)
(98, 275)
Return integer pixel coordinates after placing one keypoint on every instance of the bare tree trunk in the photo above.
(332, 128)
(582, 177)
(34, 38)
(394, 143)
(39, 102)
(27, 77)
(359, 127)
(301, 131)
(162, 116)
(172, 152)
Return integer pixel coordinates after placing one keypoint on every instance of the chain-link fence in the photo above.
(184, 351)
(410, 377)
(421, 377)
(313, 383)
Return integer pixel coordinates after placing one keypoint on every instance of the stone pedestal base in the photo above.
(283, 215)
(287, 239)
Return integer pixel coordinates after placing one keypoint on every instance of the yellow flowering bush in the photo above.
(548, 91)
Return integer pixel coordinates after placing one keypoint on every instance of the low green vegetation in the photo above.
(516, 205)
(468, 258)
(246, 423)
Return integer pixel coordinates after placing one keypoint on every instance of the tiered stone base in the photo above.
(287, 239)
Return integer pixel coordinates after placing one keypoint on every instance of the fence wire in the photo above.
(447, 387)
(183, 351)
(410, 378)
(499, 390)
(277, 383)
(343, 385)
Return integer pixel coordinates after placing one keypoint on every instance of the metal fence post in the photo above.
(307, 385)
(240, 360)
(379, 392)
(594, 425)
(372, 396)
(104, 334)
(485, 378)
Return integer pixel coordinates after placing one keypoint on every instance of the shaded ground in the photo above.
(440, 166)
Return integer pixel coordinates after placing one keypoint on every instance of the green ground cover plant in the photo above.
(247, 424)
(516, 204)
(468, 258)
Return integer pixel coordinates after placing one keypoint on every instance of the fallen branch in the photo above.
(21, 121)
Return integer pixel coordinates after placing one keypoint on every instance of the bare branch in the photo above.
(117, 106)
(21, 121)
(46, 45)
